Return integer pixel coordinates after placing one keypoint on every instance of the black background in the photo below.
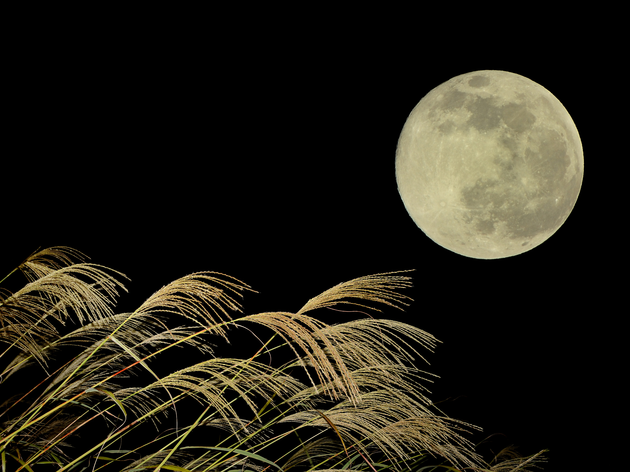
(261, 144)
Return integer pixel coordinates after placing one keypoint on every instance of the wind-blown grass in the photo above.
(86, 388)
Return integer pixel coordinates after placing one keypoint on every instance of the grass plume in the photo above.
(86, 388)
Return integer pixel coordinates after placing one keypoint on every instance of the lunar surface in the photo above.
(489, 164)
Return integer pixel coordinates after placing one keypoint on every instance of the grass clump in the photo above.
(188, 382)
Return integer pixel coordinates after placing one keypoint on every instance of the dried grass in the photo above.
(349, 396)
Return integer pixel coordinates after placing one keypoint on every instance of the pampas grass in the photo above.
(87, 388)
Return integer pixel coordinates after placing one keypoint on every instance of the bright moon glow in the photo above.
(489, 164)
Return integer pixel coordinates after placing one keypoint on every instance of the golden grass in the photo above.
(313, 396)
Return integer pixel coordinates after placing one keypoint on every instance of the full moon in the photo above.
(489, 164)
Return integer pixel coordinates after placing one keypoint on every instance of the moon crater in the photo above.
(489, 164)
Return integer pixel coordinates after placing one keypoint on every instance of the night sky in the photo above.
(269, 155)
